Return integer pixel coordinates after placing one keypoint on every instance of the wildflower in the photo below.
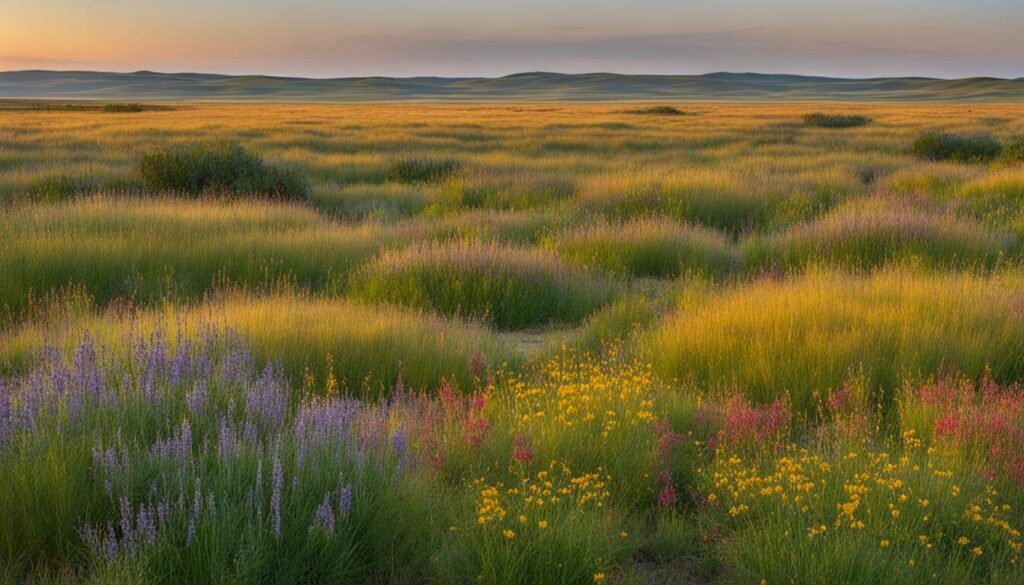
(509, 534)
(324, 518)
(598, 577)
(275, 495)
(884, 544)
(963, 541)
(522, 451)
(542, 524)
(977, 551)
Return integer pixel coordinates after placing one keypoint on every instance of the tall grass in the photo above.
(151, 250)
(509, 287)
(871, 233)
(734, 200)
(366, 349)
(646, 247)
(802, 337)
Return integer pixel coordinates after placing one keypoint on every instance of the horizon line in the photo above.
(515, 74)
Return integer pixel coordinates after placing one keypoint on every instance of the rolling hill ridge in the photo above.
(531, 86)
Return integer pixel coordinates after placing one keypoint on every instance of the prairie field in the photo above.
(532, 343)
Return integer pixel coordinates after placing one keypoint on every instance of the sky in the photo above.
(461, 38)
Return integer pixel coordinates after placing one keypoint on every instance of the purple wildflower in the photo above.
(324, 517)
(275, 495)
(196, 399)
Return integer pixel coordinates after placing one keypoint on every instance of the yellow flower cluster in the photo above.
(576, 393)
(539, 497)
(899, 498)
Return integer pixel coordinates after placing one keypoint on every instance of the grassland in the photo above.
(508, 343)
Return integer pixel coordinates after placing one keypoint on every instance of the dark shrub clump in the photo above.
(1014, 151)
(421, 170)
(123, 108)
(217, 168)
(956, 147)
(658, 111)
(820, 120)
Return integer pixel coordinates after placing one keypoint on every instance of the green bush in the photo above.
(820, 120)
(217, 168)
(421, 170)
(956, 147)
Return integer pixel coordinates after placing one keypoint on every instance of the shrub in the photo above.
(217, 168)
(658, 111)
(820, 120)
(421, 170)
(509, 287)
(966, 148)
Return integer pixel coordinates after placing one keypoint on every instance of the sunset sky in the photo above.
(336, 38)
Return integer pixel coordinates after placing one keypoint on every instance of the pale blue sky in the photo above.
(326, 38)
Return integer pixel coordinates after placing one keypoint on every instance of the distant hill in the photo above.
(536, 86)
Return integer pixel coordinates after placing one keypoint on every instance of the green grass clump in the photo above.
(508, 191)
(801, 337)
(964, 148)
(202, 168)
(150, 250)
(360, 202)
(820, 120)
(871, 233)
(509, 287)
(646, 247)
(1013, 153)
(421, 170)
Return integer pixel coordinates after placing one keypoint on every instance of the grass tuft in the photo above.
(205, 168)
(819, 120)
(963, 148)
(511, 288)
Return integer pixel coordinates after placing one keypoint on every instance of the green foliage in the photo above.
(820, 120)
(870, 233)
(213, 168)
(646, 247)
(166, 249)
(506, 191)
(804, 336)
(1013, 153)
(421, 170)
(511, 288)
(964, 148)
